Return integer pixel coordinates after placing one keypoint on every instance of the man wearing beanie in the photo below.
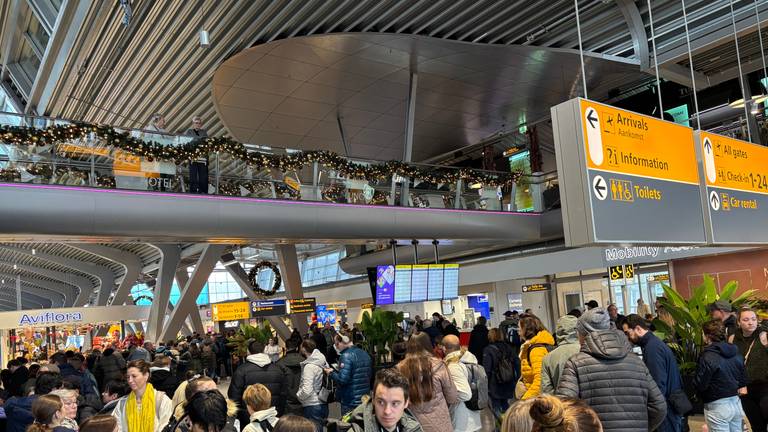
(610, 378)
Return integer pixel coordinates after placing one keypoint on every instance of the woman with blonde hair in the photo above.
(99, 423)
(144, 409)
(68, 400)
(263, 417)
(551, 414)
(518, 417)
(431, 390)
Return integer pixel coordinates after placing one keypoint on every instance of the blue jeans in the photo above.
(724, 415)
(318, 414)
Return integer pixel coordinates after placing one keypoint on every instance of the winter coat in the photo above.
(109, 407)
(478, 340)
(463, 418)
(79, 378)
(258, 369)
(196, 361)
(319, 341)
(433, 333)
(720, 372)
(163, 412)
(757, 359)
(353, 379)
(363, 419)
(451, 329)
(109, 367)
(662, 366)
(19, 377)
(140, 354)
(208, 358)
(164, 380)
(614, 382)
(253, 425)
(312, 379)
(291, 367)
(531, 372)
(554, 362)
(18, 411)
(492, 356)
(434, 415)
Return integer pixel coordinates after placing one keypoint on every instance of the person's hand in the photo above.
(328, 370)
(743, 391)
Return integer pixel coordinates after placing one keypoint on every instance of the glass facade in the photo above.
(321, 269)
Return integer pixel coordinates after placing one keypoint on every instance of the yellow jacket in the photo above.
(531, 373)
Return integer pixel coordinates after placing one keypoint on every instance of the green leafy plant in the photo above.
(685, 335)
(245, 335)
(380, 330)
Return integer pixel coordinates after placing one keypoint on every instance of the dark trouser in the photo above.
(318, 414)
(198, 177)
(500, 406)
(755, 405)
(346, 409)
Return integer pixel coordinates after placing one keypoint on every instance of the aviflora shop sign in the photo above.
(50, 318)
(74, 316)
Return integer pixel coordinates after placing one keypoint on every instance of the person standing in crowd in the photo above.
(510, 329)
(592, 304)
(262, 415)
(661, 363)
(478, 339)
(518, 417)
(431, 390)
(310, 393)
(496, 353)
(720, 378)
(329, 332)
(752, 342)
(208, 357)
(137, 352)
(258, 369)
(550, 413)
(610, 379)
(294, 423)
(109, 367)
(318, 338)
(208, 411)
(48, 414)
(290, 364)
(18, 410)
(353, 378)
(195, 358)
(273, 349)
(198, 169)
(554, 362)
(722, 310)
(449, 328)
(463, 368)
(387, 410)
(19, 376)
(99, 423)
(113, 391)
(643, 309)
(616, 317)
(431, 330)
(73, 371)
(538, 342)
(69, 401)
(437, 320)
(161, 377)
(145, 409)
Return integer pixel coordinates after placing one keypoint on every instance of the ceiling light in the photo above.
(739, 103)
(15, 267)
(33, 251)
(476, 186)
(205, 39)
(3, 281)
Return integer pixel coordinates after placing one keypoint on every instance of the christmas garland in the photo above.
(253, 277)
(183, 154)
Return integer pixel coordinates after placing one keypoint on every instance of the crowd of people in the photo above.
(599, 371)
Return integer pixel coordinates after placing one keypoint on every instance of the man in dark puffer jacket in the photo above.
(611, 379)
(353, 377)
(258, 369)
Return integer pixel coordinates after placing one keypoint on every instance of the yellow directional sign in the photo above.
(629, 271)
(231, 311)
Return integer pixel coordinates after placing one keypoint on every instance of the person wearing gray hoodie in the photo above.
(554, 362)
(311, 394)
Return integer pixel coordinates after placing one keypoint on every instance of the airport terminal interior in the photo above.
(383, 215)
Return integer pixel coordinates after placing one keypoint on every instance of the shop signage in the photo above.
(367, 306)
(303, 305)
(75, 315)
(658, 278)
(537, 287)
(231, 311)
(734, 189)
(49, 318)
(621, 173)
(231, 324)
(265, 308)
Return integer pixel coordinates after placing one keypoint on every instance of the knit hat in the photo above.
(594, 320)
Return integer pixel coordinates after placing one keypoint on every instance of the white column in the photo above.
(170, 256)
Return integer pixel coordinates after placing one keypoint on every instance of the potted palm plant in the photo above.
(380, 331)
(245, 335)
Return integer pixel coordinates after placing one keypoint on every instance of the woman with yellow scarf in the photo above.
(144, 409)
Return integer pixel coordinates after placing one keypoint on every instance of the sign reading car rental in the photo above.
(625, 177)
(734, 189)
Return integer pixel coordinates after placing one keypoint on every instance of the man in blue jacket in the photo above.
(18, 410)
(661, 363)
(353, 377)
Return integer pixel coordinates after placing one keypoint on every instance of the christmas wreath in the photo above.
(253, 277)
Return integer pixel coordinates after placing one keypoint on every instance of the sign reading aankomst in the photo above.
(734, 189)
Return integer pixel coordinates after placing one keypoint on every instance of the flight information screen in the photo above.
(419, 280)
(451, 281)
(403, 283)
(436, 276)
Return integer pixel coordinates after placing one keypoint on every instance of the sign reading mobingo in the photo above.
(49, 318)
(625, 177)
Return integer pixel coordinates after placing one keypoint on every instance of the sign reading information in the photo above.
(621, 173)
(735, 189)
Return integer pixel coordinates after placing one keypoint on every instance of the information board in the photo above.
(304, 305)
(402, 284)
(385, 285)
(537, 287)
(734, 189)
(621, 173)
(265, 308)
(231, 311)
(451, 281)
(435, 284)
(419, 283)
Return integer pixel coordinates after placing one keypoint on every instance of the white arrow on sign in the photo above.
(594, 136)
(709, 161)
(600, 188)
(714, 201)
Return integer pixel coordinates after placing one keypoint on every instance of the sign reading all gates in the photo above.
(231, 311)
(537, 287)
(735, 189)
(303, 305)
(621, 173)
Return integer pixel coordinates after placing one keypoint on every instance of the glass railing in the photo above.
(92, 161)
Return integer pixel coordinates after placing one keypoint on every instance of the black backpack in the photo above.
(505, 370)
(265, 425)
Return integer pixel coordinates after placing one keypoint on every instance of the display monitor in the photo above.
(435, 289)
(451, 281)
(419, 283)
(403, 274)
(385, 285)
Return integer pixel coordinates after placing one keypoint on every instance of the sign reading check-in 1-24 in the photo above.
(735, 189)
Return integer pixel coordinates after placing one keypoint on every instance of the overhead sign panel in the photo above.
(537, 287)
(231, 311)
(303, 305)
(734, 189)
(265, 308)
(621, 173)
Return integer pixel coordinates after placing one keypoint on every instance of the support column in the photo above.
(170, 256)
(18, 292)
(288, 261)
(194, 323)
(186, 304)
(408, 151)
(241, 277)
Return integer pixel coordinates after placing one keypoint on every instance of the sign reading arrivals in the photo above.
(735, 189)
(621, 173)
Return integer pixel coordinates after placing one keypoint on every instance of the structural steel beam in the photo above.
(169, 261)
(636, 26)
(83, 284)
(241, 277)
(48, 288)
(131, 262)
(194, 323)
(288, 261)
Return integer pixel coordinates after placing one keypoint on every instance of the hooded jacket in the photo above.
(614, 382)
(492, 356)
(720, 372)
(110, 366)
(164, 380)
(531, 372)
(269, 415)
(258, 369)
(478, 340)
(434, 415)
(353, 378)
(18, 411)
(463, 418)
(312, 379)
(661, 364)
(554, 362)
(363, 419)
(290, 364)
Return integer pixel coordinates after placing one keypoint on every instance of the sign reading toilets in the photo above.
(734, 189)
(625, 177)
